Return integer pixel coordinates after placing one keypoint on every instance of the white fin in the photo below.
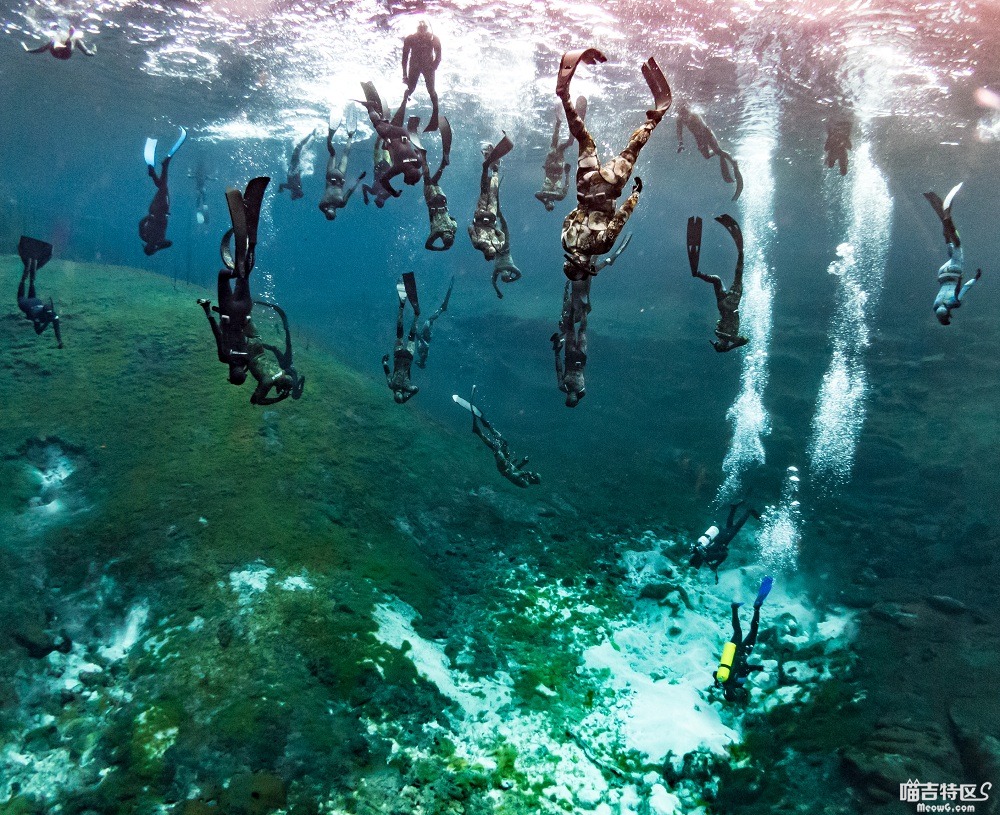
(951, 195)
(464, 403)
(150, 152)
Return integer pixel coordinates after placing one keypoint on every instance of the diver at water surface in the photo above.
(708, 144)
(153, 228)
(511, 469)
(592, 228)
(838, 141)
(734, 667)
(34, 255)
(952, 292)
(398, 377)
(424, 334)
(237, 341)
(422, 55)
(61, 47)
(728, 300)
(556, 183)
(293, 175)
(712, 548)
(334, 197)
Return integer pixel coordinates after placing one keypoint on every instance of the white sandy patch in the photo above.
(250, 582)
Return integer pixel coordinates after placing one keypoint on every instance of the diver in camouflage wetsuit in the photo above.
(556, 182)
(443, 226)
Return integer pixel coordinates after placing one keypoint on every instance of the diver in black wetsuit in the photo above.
(398, 378)
(556, 183)
(838, 141)
(237, 341)
(443, 226)
(712, 548)
(62, 48)
(35, 254)
(334, 197)
(728, 300)
(422, 55)
(399, 152)
(513, 471)
(153, 228)
(293, 176)
(734, 667)
(424, 335)
(569, 343)
(952, 293)
(708, 144)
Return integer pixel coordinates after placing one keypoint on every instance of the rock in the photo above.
(800, 672)
(946, 604)
(899, 750)
(979, 753)
(662, 802)
(254, 794)
(38, 643)
(655, 591)
(892, 613)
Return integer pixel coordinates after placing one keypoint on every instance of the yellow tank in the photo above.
(726, 663)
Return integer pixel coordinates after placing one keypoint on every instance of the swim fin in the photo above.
(765, 589)
(149, 153)
(238, 215)
(569, 62)
(32, 249)
(951, 197)
(733, 228)
(658, 87)
(694, 242)
(410, 285)
(351, 120)
(944, 213)
(445, 129)
(500, 149)
(177, 144)
(252, 199)
(400, 114)
(447, 297)
(372, 100)
(413, 128)
(739, 179)
(458, 400)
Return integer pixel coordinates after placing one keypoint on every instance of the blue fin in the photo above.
(178, 143)
(150, 152)
(765, 589)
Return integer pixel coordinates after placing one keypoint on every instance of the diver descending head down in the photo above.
(952, 293)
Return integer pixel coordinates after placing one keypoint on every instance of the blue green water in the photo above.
(889, 417)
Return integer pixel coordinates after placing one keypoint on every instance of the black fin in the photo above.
(34, 249)
(410, 284)
(733, 228)
(569, 62)
(694, 242)
(501, 149)
(445, 139)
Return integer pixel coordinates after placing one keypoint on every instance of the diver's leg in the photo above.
(636, 142)
(751, 639)
(715, 280)
(432, 93)
(24, 279)
(577, 126)
(31, 278)
(620, 218)
(737, 629)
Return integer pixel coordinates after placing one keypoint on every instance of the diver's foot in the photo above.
(205, 304)
(567, 66)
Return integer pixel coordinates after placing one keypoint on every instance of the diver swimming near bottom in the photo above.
(35, 254)
(727, 300)
(398, 377)
(734, 667)
(952, 292)
(513, 471)
(712, 548)
(238, 343)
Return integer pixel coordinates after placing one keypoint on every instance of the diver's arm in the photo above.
(41, 49)
(406, 55)
(88, 51)
(385, 367)
(968, 285)
(437, 53)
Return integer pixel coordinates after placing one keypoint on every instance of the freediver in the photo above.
(484, 232)
(237, 341)
(569, 343)
(592, 228)
(424, 334)
(397, 148)
(443, 226)
(952, 292)
(283, 356)
(838, 141)
(513, 471)
(398, 378)
(734, 667)
(62, 47)
(504, 268)
(153, 228)
(556, 183)
(728, 300)
(708, 144)
(422, 55)
(293, 175)
(201, 177)
(712, 548)
(34, 255)
(334, 197)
